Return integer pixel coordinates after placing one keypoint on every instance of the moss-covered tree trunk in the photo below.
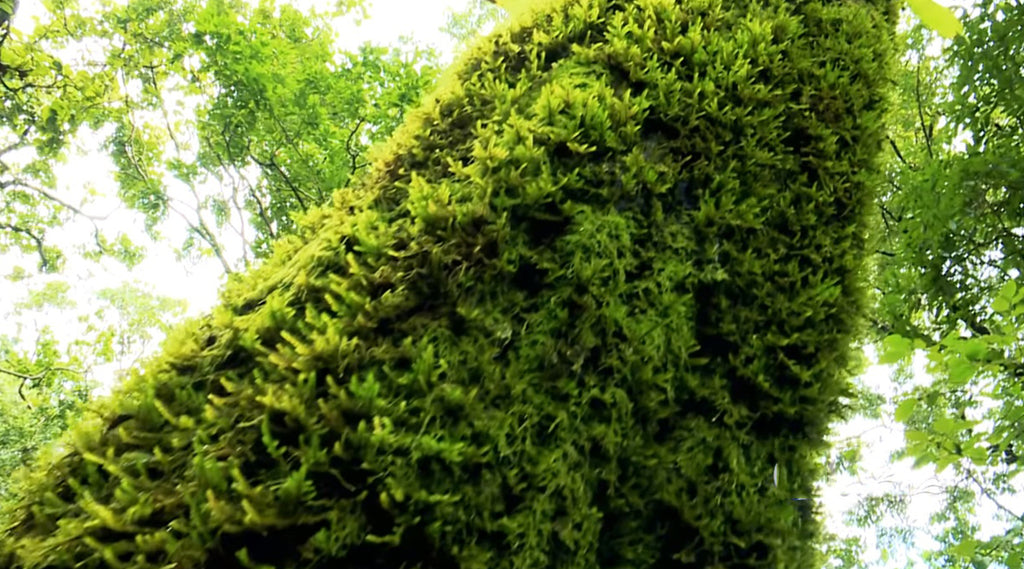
(598, 286)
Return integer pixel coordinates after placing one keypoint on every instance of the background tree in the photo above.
(949, 263)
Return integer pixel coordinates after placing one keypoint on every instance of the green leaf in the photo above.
(978, 455)
(960, 372)
(905, 409)
(895, 348)
(1001, 305)
(916, 436)
(937, 17)
(944, 462)
(965, 548)
(947, 425)
(1008, 290)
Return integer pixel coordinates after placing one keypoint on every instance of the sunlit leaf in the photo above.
(895, 348)
(947, 425)
(937, 17)
(905, 409)
(1008, 290)
(1001, 305)
(960, 371)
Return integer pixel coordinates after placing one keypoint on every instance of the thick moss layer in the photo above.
(595, 289)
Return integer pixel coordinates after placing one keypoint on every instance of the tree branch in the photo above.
(1002, 507)
(925, 129)
(46, 194)
(249, 185)
(896, 149)
(25, 378)
(284, 176)
(348, 146)
(43, 259)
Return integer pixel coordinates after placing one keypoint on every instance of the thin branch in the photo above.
(40, 375)
(896, 149)
(25, 378)
(998, 504)
(46, 263)
(298, 152)
(21, 142)
(926, 130)
(252, 190)
(46, 194)
(889, 214)
(348, 146)
(288, 182)
(206, 234)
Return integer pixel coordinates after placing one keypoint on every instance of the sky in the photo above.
(88, 170)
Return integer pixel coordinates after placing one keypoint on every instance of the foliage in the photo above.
(478, 17)
(44, 386)
(219, 113)
(537, 334)
(274, 101)
(45, 101)
(40, 395)
(949, 277)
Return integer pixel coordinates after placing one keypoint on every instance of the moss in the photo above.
(594, 290)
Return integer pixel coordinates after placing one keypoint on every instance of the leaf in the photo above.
(960, 372)
(1008, 290)
(905, 409)
(978, 455)
(895, 348)
(944, 462)
(916, 436)
(937, 17)
(965, 548)
(1001, 305)
(947, 425)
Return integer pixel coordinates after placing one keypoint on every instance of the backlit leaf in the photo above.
(937, 17)
(905, 409)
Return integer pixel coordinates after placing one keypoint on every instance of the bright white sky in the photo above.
(198, 284)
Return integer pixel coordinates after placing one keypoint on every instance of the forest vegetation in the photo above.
(204, 131)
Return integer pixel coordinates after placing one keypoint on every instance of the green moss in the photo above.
(594, 290)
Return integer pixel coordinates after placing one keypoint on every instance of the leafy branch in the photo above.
(26, 378)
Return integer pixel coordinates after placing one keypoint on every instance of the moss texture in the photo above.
(599, 284)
